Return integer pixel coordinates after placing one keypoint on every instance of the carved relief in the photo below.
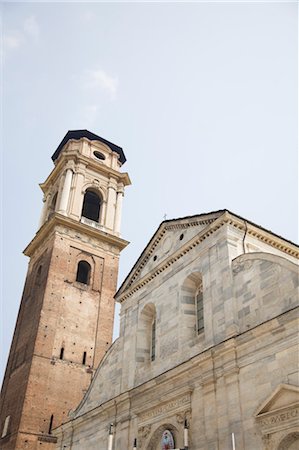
(165, 408)
(181, 417)
(241, 264)
(143, 433)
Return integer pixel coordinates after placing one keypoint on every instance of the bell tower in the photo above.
(65, 321)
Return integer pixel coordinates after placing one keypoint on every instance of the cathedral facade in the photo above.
(208, 335)
(207, 356)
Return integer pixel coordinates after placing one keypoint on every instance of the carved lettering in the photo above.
(165, 408)
(282, 417)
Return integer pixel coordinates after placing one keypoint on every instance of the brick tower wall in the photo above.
(57, 312)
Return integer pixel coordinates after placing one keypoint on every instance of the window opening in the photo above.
(61, 353)
(199, 310)
(51, 424)
(84, 358)
(91, 206)
(83, 272)
(99, 155)
(153, 341)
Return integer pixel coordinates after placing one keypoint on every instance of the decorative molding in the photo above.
(70, 224)
(161, 410)
(226, 218)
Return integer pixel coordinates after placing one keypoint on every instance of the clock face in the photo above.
(167, 441)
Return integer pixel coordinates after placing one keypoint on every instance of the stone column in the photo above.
(78, 195)
(117, 219)
(65, 192)
(44, 210)
(110, 212)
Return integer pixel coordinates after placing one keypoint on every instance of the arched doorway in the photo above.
(290, 442)
(164, 438)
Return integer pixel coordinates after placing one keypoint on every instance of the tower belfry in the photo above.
(65, 321)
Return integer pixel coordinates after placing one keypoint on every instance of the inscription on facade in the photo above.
(165, 408)
(281, 417)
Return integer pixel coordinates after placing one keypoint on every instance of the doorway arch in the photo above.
(289, 442)
(154, 442)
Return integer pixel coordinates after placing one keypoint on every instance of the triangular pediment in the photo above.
(284, 396)
(170, 237)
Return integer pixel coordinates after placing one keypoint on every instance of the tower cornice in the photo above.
(59, 219)
(76, 158)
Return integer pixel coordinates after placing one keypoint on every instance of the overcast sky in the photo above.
(201, 96)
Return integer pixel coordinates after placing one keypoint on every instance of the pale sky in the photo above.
(201, 96)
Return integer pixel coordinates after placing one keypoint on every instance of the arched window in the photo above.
(147, 334)
(91, 206)
(83, 272)
(153, 340)
(199, 308)
(192, 305)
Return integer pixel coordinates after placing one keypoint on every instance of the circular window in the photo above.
(155, 257)
(181, 237)
(99, 155)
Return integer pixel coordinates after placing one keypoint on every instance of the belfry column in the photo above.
(119, 199)
(65, 192)
(110, 212)
(78, 194)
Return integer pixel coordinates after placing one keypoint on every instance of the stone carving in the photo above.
(280, 417)
(165, 408)
(241, 264)
(180, 417)
(143, 433)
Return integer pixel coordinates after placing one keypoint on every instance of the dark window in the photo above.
(84, 358)
(83, 272)
(199, 310)
(91, 206)
(51, 424)
(61, 353)
(153, 343)
(99, 155)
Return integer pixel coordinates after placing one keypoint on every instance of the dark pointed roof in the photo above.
(78, 134)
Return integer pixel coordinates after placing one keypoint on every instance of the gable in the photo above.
(284, 396)
(166, 241)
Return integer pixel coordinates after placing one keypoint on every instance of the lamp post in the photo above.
(110, 437)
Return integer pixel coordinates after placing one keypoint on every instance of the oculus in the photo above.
(99, 155)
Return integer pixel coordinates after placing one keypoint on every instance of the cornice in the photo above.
(132, 287)
(152, 246)
(73, 156)
(213, 225)
(58, 219)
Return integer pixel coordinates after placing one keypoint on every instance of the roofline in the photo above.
(220, 212)
(79, 134)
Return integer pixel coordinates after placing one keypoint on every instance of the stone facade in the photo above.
(235, 375)
(64, 325)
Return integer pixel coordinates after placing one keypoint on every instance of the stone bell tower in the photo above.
(65, 321)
